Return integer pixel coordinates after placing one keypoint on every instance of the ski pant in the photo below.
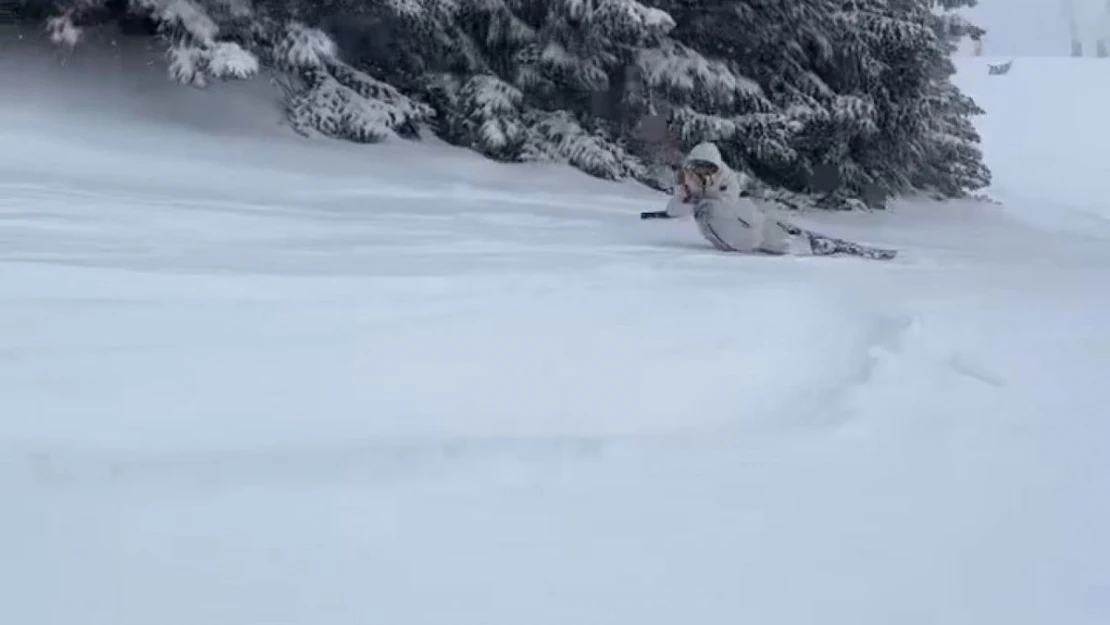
(821, 245)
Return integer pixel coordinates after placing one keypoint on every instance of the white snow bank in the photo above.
(1045, 138)
(244, 362)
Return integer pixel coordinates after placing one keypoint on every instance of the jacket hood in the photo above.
(706, 152)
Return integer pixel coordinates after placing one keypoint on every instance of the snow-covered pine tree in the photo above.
(897, 54)
(953, 166)
(830, 96)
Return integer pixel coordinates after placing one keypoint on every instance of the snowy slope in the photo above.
(247, 378)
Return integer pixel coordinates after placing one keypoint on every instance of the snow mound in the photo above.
(1046, 118)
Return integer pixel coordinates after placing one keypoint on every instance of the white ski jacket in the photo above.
(729, 222)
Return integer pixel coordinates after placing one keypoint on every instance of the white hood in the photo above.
(707, 152)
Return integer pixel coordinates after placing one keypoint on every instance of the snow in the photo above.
(1039, 27)
(252, 378)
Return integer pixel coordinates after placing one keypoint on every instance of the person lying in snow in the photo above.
(710, 191)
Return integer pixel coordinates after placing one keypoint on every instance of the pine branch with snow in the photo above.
(63, 30)
(299, 47)
(197, 65)
(683, 75)
(335, 110)
(557, 136)
(483, 113)
(335, 99)
(195, 53)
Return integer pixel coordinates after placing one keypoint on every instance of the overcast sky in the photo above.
(1033, 27)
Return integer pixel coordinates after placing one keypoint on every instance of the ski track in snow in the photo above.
(282, 385)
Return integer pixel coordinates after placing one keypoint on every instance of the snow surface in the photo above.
(248, 378)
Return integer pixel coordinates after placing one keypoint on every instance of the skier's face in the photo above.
(703, 169)
(699, 174)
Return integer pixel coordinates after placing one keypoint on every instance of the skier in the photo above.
(711, 191)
